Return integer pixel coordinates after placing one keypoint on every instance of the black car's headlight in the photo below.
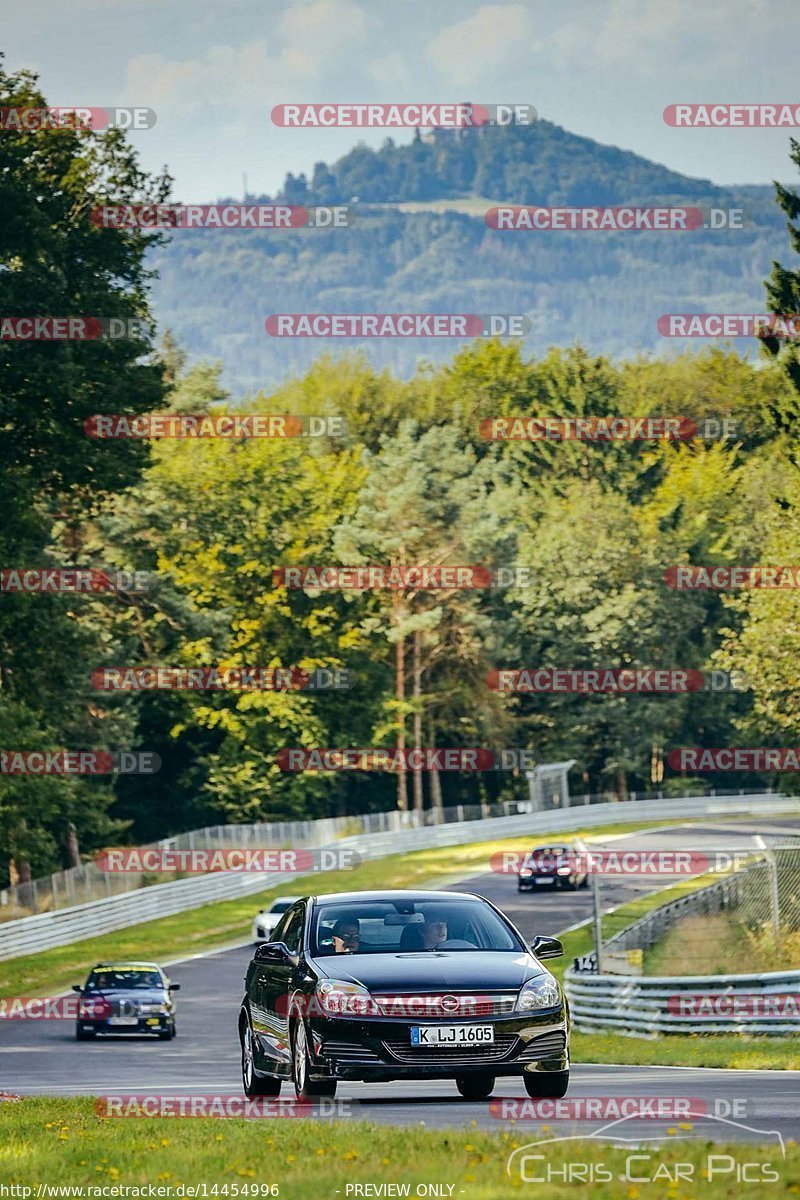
(94, 1009)
(152, 1010)
(539, 993)
(341, 998)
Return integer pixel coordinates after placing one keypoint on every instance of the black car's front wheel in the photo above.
(475, 1087)
(252, 1084)
(550, 1085)
(306, 1089)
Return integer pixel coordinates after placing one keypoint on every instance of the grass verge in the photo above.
(58, 1141)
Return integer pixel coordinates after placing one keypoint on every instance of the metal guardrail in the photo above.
(640, 1006)
(84, 883)
(29, 935)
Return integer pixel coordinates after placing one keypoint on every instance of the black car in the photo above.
(126, 998)
(375, 986)
(552, 867)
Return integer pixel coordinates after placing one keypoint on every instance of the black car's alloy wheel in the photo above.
(475, 1087)
(305, 1088)
(252, 1084)
(551, 1085)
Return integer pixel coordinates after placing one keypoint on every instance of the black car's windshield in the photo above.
(409, 926)
(122, 979)
(548, 855)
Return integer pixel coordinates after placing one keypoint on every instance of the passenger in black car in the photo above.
(426, 935)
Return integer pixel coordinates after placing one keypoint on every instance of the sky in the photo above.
(605, 69)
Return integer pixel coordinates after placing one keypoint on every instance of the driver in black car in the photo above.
(346, 936)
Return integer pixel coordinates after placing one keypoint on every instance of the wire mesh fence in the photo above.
(747, 920)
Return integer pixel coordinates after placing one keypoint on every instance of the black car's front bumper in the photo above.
(380, 1050)
(144, 1024)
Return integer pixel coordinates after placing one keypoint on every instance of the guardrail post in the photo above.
(598, 930)
(774, 897)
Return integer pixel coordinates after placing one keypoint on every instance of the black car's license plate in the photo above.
(452, 1035)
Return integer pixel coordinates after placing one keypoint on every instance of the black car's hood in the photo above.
(432, 970)
(137, 995)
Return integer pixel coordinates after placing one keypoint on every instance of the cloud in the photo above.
(495, 38)
(649, 37)
(311, 41)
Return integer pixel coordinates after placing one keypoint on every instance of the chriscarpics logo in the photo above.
(629, 1152)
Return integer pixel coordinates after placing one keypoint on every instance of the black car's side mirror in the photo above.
(77, 987)
(276, 952)
(546, 947)
(174, 987)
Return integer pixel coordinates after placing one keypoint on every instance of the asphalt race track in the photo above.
(42, 1057)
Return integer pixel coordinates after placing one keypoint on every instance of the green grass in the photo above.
(711, 944)
(57, 1141)
(709, 1050)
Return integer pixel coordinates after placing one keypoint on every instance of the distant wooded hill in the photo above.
(419, 243)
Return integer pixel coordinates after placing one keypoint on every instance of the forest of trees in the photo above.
(411, 480)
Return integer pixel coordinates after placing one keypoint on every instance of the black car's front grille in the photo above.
(349, 1052)
(402, 1050)
(549, 1045)
(441, 1006)
(124, 1008)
